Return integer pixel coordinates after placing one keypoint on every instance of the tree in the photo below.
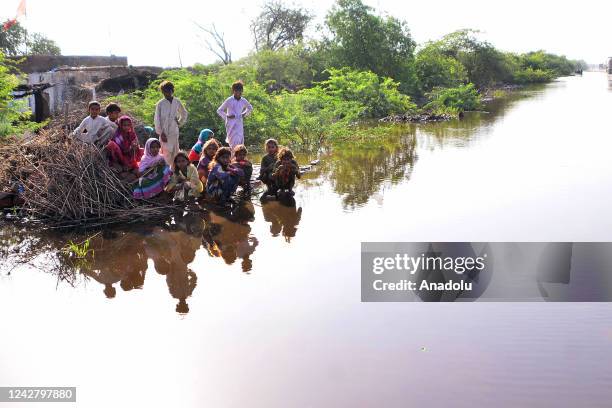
(16, 40)
(485, 65)
(287, 68)
(216, 43)
(38, 44)
(435, 69)
(279, 26)
(14, 113)
(12, 39)
(365, 41)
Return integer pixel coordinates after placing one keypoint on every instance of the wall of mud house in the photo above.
(69, 87)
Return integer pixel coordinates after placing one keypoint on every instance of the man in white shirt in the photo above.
(233, 110)
(170, 114)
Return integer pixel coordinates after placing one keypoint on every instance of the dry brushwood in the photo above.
(67, 182)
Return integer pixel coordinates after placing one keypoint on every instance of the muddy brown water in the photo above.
(263, 308)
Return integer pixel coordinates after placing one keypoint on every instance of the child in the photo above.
(267, 166)
(123, 151)
(113, 111)
(232, 111)
(153, 170)
(286, 170)
(223, 179)
(92, 127)
(170, 114)
(184, 182)
(240, 161)
(209, 149)
(196, 150)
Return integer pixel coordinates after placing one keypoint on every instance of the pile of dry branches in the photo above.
(67, 182)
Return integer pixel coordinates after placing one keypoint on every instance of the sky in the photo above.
(163, 33)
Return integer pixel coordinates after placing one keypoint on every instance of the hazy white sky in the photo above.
(153, 32)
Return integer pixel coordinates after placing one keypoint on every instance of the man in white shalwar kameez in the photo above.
(232, 111)
(170, 114)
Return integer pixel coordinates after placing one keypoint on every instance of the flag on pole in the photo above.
(21, 12)
(21, 9)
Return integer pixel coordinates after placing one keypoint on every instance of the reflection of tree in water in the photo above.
(462, 131)
(38, 249)
(359, 173)
(283, 218)
(228, 236)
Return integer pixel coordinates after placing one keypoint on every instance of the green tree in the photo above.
(14, 113)
(12, 40)
(485, 65)
(286, 68)
(38, 44)
(17, 40)
(435, 69)
(363, 40)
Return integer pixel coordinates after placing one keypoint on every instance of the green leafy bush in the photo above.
(377, 96)
(533, 76)
(15, 115)
(461, 98)
(435, 69)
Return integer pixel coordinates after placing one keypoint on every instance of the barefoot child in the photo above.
(170, 114)
(153, 170)
(267, 166)
(208, 154)
(240, 162)
(223, 179)
(184, 182)
(286, 170)
(196, 150)
(92, 127)
(232, 111)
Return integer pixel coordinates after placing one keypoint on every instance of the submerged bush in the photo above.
(461, 98)
(533, 76)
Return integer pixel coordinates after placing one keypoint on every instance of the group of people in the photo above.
(209, 170)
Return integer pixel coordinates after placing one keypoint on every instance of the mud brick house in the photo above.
(56, 84)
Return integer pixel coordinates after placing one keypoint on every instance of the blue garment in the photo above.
(221, 184)
(150, 131)
(205, 134)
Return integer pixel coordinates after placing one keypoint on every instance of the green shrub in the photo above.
(461, 98)
(15, 115)
(533, 76)
(378, 96)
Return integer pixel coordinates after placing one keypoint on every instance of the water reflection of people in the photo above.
(283, 217)
(172, 252)
(121, 260)
(229, 237)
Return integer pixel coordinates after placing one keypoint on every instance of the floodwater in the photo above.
(263, 309)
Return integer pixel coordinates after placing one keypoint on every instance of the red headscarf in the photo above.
(125, 140)
(120, 147)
